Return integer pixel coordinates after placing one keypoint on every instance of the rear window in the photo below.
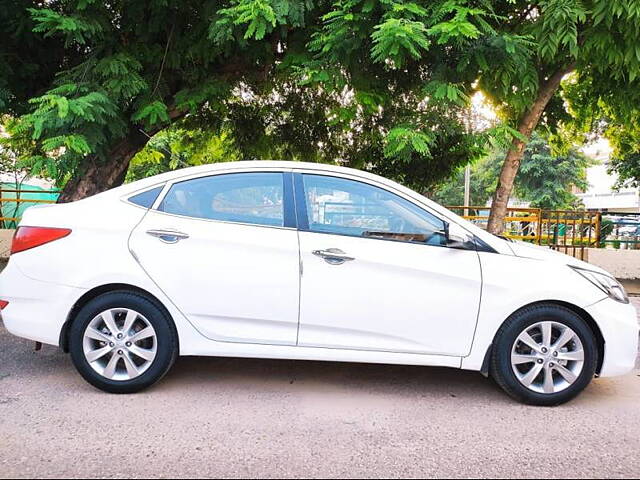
(254, 198)
(146, 199)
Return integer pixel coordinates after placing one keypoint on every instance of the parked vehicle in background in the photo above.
(305, 261)
(629, 231)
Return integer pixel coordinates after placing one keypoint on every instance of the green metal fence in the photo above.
(15, 199)
(621, 230)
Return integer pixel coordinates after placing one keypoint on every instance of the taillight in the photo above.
(3, 303)
(26, 238)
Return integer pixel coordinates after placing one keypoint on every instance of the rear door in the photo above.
(224, 249)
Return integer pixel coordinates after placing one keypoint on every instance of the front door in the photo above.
(377, 274)
(225, 251)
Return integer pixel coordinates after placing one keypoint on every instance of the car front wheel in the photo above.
(544, 355)
(122, 342)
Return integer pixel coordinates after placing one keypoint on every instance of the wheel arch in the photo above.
(586, 317)
(101, 290)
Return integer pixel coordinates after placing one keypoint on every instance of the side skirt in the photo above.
(219, 349)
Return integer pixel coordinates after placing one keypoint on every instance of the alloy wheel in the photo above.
(120, 344)
(547, 357)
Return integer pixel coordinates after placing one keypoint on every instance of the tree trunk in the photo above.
(98, 176)
(511, 164)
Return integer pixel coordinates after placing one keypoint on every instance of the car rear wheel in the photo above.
(122, 342)
(544, 355)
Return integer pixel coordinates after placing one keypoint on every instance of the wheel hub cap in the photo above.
(547, 357)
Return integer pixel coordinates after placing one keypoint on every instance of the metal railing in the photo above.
(569, 231)
(621, 230)
(10, 206)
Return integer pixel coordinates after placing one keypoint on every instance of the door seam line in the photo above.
(300, 272)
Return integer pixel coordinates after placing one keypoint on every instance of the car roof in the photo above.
(245, 165)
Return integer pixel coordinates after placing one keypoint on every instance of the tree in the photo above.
(265, 71)
(28, 62)
(609, 112)
(376, 84)
(544, 179)
(450, 193)
(595, 38)
(175, 148)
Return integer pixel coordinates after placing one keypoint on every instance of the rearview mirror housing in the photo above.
(458, 237)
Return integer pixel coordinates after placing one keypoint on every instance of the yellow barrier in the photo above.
(559, 229)
(25, 200)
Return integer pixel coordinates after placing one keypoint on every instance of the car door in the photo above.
(224, 249)
(377, 273)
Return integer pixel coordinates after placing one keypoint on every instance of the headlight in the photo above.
(606, 283)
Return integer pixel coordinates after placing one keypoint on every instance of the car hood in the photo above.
(539, 252)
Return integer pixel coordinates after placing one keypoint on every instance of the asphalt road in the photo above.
(254, 418)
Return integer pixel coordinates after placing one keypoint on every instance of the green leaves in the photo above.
(120, 75)
(559, 29)
(345, 30)
(67, 123)
(74, 28)
(395, 39)
(456, 29)
(508, 71)
(376, 84)
(502, 135)
(404, 141)
(454, 22)
(258, 17)
(75, 143)
(447, 92)
(152, 114)
(191, 99)
(177, 147)
(53, 110)
(257, 14)
(545, 180)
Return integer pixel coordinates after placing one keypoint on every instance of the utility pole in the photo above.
(467, 188)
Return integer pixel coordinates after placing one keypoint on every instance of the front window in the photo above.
(253, 198)
(347, 207)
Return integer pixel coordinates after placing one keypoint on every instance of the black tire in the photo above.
(166, 336)
(501, 368)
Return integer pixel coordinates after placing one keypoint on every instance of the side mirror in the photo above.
(458, 237)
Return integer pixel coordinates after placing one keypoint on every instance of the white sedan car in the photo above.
(308, 262)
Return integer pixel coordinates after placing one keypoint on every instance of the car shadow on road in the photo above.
(18, 359)
(310, 376)
(218, 376)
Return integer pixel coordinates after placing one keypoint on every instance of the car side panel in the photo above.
(510, 283)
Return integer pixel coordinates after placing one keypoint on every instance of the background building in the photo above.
(601, 193)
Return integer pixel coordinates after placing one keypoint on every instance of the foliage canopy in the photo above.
(382, 85)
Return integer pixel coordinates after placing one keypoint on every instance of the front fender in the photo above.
(510, 283)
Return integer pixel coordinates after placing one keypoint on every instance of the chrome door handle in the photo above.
(168, 236)
(333, 256)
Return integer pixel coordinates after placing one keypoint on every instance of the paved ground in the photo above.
(239, 418)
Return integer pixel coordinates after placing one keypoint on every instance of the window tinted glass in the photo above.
(255, 198)
(146, 199)
(347, 207)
